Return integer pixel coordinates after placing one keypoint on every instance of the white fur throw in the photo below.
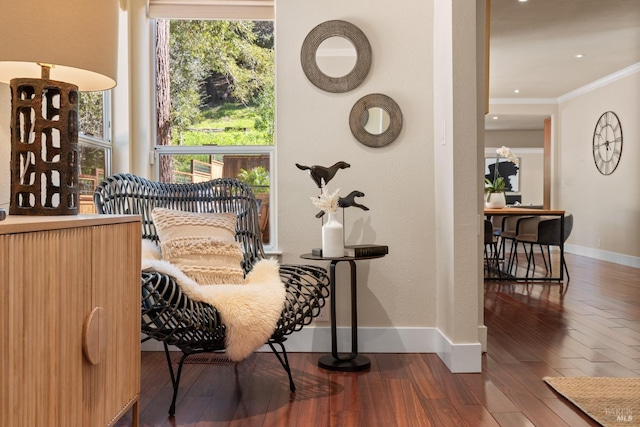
(250, 310)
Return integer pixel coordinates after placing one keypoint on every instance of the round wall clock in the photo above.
(607, 143)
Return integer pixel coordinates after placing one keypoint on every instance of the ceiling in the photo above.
(534, 46)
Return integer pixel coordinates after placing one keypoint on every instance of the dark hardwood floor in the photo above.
(593, 329)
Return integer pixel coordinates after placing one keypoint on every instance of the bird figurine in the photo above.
(347, 202)
(322, 175)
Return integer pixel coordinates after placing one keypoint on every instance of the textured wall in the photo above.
(313, 128)
(606, 208)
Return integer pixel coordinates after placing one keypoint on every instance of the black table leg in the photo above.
(354, 361)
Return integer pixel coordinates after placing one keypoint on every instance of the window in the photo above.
(215, 104)
(94, 144)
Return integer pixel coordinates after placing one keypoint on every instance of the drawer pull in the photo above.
(94, 339)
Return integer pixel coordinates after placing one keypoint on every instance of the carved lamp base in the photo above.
(44, 147)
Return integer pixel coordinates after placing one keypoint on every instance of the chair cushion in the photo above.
(202, 245)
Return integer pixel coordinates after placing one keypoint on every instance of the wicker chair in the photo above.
(168, 315)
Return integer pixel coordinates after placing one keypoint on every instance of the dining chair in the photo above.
(497, 223)
(545, 231)
(491, 253)
(510, 229)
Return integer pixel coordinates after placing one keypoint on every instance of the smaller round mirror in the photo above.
(336, 56)
(375, 120)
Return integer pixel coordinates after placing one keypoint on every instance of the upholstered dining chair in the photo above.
(510, 229)
(168, 314)
(491, 253)
(545, 232)
(496, 222)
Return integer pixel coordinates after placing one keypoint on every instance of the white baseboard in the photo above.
(460, 358)
(317, 339)
(622, 259)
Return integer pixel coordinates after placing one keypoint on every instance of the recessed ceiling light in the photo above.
(522, 1)
(495, 117)
(516, 91)
(579, 55)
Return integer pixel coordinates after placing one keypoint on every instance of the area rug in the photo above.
(612, 402)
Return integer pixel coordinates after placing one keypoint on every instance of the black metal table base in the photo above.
(347, 362)
(358, 363)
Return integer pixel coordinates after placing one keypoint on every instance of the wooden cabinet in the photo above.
(69, 320)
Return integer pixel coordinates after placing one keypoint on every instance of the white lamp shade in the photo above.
(79, 37)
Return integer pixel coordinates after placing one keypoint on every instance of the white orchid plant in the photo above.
(498, 184)
(326, 202)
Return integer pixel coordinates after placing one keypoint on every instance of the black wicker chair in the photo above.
(168, 315)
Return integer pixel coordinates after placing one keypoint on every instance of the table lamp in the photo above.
(49, 51)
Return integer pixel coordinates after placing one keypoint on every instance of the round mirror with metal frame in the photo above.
(386, 117)
(309, 50)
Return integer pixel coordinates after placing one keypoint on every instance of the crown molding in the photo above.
(522, 101)
(632, 69)
(625, 72)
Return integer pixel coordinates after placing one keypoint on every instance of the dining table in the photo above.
(529, 212)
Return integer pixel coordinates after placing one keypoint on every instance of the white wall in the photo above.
(539, 107)
(425, 295)
(414, 286)
(514, 138)
(313, 129)
(606, 208)
(531, 175)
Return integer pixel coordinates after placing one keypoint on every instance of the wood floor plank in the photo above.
(406, 405)
(571, 372)
(375, 406)
(476, 415)
(630, 351)
(621, 359)
(602, 369)
(532, 407)
(585, 339)
(513, 419)
(567, 412)
(345, 407)
(577, 349)
(314, 393)
(584, 324)
(456, 390)
(631, 324)
(442, 413)
(391, 367)
(530, 375)
(488, 394)
(593, 329)
(500, 352)
(423, 379)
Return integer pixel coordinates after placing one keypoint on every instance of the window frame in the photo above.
(160, 150)
(255, 10)
(215, 10)
(106, 142)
